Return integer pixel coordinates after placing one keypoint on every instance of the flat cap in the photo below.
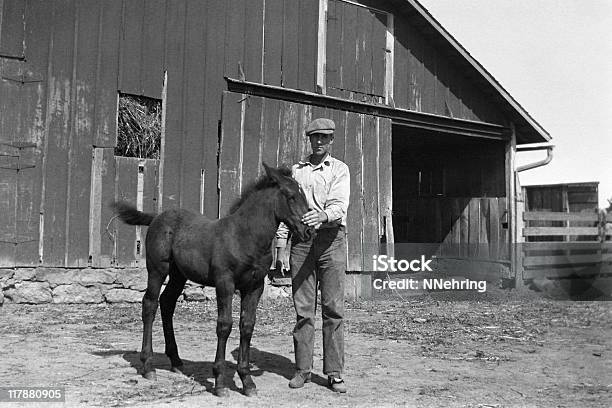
(321, 125)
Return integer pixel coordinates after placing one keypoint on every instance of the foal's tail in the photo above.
(130, 215)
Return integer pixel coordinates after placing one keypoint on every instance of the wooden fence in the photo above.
(566, 245)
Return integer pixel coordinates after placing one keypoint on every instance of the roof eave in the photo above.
(536, 132)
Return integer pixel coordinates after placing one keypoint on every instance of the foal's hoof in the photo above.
(250, 392)
(151, 375)
(221, 392)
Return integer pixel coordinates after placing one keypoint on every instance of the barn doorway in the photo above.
(448, 189)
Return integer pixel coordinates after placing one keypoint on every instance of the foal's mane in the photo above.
(261, 183)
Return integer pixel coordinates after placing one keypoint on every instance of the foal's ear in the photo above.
(273, 173)
(277, 176)
(267, 169)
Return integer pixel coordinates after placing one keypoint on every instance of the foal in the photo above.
(230, 253)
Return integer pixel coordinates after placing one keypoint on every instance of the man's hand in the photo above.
(313, 217)
(282, 261)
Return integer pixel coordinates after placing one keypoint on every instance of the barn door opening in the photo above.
(449, 191)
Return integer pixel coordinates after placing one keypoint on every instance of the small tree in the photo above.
(139, 127)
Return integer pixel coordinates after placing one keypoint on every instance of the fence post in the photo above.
(602, 226)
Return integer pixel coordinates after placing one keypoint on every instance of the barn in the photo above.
(429, 135)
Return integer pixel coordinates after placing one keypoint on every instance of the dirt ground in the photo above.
(491, 350)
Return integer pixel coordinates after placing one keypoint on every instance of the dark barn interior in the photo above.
(447, 189)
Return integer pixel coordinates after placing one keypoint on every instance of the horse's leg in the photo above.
(167, 303)
(225, 292)
(248, 307)
(156, 276)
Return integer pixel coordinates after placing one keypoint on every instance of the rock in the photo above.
(199, 293)
(31, 292)
(105, 288)
(24, 274)
(1, 297)
(194, 293)
(123, 295)
(57, 276)
(92, 276)
(7, 283)
(132, 278)
(76, 293)
(210, 293)
(273, 292)
(6, 278)
(6, 274)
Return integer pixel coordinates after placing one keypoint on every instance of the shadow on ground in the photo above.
(202, 371)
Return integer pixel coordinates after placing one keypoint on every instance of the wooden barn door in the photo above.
(256, 130)
(22, 91)
(19, 182)
(356, 51)
(20, 165)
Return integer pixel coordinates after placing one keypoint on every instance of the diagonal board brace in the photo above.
(399, 116)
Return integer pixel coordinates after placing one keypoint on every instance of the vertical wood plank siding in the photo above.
(426, 81)
(59, 132)
(107, 75)
(81, 130)
(126, 180)
(193, 103)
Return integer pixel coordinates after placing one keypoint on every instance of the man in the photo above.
(321, 261)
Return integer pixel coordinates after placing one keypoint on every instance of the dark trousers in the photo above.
(320, 261)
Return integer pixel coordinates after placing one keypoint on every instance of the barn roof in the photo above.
(527, 128)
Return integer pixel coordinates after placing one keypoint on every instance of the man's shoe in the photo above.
(299, 379)
(336, 384)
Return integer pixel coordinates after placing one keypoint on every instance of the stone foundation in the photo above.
(59, 285)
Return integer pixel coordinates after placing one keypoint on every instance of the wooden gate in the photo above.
(113, 243)
(566, 245)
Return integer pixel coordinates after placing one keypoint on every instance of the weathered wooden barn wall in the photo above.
(63, 63)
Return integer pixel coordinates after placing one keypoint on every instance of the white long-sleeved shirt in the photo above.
(326, 187)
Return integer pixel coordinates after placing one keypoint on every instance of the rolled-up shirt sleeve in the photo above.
(282, 234)
(338, 196)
